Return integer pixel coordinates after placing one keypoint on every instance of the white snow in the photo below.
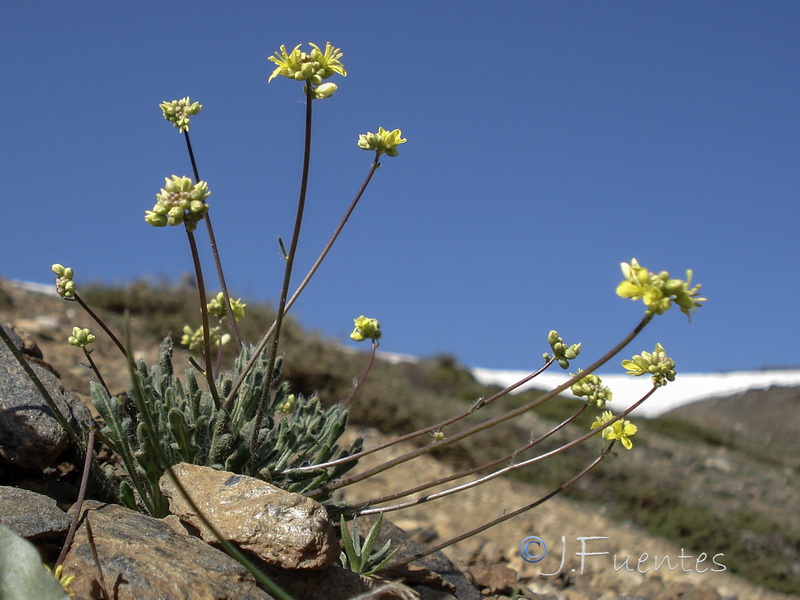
(687, 387)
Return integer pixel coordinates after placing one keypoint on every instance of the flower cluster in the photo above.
(312, 67)
(180, 201)
(383, 141)
(217, 307)
(591, 387)
(366, 329)
(562, 353)
(620, 430)
(656, 364)
(178, 112)
(193, 338)
(658, 291)
(65, 287)
(81, 337)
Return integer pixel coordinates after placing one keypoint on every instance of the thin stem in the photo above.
(208, 371)
(100, 322)
(509, 468)
(87, 465)
(287, 276)
(491, 422)
(264, 340)
(499, 520)
(409, 436)
(94, 368)
(214, 250)
(461, 474)
(346, 402)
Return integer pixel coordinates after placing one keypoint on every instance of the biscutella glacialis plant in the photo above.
(247, 420)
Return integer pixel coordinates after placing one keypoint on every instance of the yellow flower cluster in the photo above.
(383, 141)
(217, 307)
(178, 112)
(180, 201)
(621, 430)
(366, 329)
(312, 67)
(659, 291)
(657, 364)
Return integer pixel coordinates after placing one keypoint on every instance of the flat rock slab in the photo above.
(31, 515)
(143, 557)
(284, 529)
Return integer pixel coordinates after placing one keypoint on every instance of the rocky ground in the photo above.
(620, 561)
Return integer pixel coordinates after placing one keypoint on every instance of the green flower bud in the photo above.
(65, 287)
(326, 90)
(178, 112)
(591, 387)
(81, 337)
(179, 201)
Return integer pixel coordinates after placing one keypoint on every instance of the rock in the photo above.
(30, 437)
(283, 529)
(143, 557)
(31, 515)
(495, 578)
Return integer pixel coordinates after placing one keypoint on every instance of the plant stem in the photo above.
(94, 368)
(533, 442)
(435, 427)
(287, 277)
(214, 250)
(87, 465)
(491, 422)
(499, 520)
(208, 371)
(100, 322)
(509, 468)
(346, 402)
(264, 340)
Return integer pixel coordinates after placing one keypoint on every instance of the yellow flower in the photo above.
(366, 329)
(658, 291)
(217, 307)
(64, 580)
(621, 430)
(312, 67)
(657, 364)
(383, 141)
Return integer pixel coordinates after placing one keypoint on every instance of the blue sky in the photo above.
(547, 142)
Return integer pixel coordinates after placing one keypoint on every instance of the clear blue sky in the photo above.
(547, 142)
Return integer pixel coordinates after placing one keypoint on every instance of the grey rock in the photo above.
(283, 529)
(31, 515)
(30, 437)
(143, 557)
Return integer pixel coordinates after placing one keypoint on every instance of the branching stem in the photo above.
(489, 423)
